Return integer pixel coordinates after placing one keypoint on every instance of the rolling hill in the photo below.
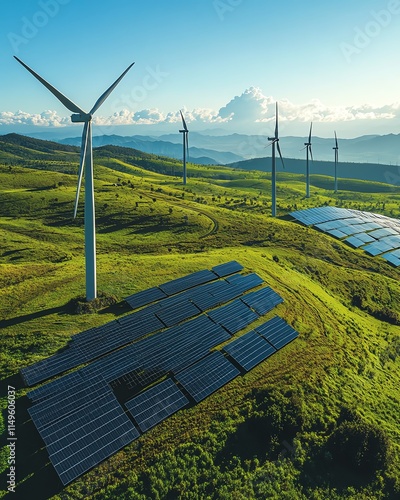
(318, 420)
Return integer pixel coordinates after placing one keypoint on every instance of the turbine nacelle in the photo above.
(81, 117)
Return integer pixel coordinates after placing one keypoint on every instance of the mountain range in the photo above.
(227, 149)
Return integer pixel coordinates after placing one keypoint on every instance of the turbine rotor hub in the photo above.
(81, 118)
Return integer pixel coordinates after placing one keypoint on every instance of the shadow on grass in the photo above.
(28, 317)
(35, 476)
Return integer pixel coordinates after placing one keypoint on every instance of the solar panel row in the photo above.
(227, 268)
(262, 301)
(189, 281)
(234, 316)
(156, 404)
(277, 332)
(249, 350)
(207, 375)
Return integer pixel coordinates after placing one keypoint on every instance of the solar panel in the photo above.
(207, 375)
(156, 404)
(73, 421)
(98, 440)
(53, 365)
(392, 258)
(57, 385)
(262, 301)
(227, 268)
(245, 282)
(249, 350)
(189, 281)
(337, 233)
(67, 401)
(176, 313)
(233, 316)
(145, 297)
(277, 332)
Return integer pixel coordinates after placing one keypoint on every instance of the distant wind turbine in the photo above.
(275, 141)
(86, 167)
(308, 153)
(185, 133)
(336, 149)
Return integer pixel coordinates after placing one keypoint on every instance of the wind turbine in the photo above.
(336, 149)
(308, 153)
(85, 167)
(185, 133)
(275, 141)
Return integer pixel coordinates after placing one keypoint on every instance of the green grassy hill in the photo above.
(318, 420)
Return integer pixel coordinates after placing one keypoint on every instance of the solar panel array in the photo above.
(374, 233)
(78, 414)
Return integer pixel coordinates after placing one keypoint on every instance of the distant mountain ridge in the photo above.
(156, 146)
(225, 149)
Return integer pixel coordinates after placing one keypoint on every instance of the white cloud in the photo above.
(251, 107)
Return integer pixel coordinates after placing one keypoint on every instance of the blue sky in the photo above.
(223, 61)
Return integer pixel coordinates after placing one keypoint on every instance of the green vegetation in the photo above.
(318, 420)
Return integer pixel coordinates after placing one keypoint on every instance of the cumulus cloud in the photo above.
(250, 107)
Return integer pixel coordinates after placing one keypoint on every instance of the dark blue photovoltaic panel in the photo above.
(249, 350)
(227, 268)
(156, 404)
(67, 401)
(206, 376)
(56, 431)
(54, 365)
(245, 282)
(188, 281)
(262, 301)
(57, 385)
(145, 297)
(277, 332)
(233, 316)
(176, 313)
(97, 441)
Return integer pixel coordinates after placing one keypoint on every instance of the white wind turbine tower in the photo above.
(185, 133)
(308, 153)
(86, 168)
(336, 149)
(275, 141)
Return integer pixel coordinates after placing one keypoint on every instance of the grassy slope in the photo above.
(155, 231)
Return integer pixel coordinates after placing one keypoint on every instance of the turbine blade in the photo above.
(81, 164)
(183, 121)
(309, 137)
(187, 145)
(276, 121)
(336, 141)
(61, 97)
(280, 153)
(311, 152)
(104, 96)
